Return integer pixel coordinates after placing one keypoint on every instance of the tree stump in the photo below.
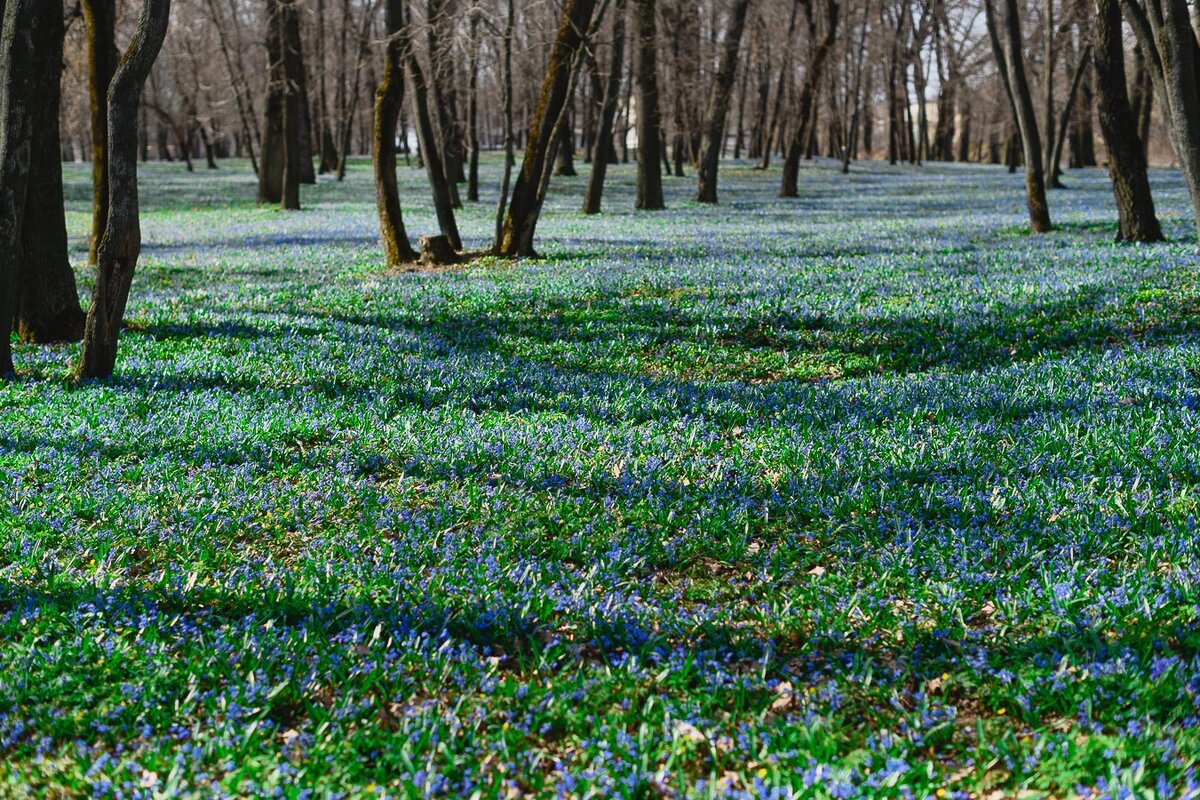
(437, 251)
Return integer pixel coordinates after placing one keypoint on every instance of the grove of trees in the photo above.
(295, 88)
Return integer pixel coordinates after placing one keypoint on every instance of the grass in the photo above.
(856, 495)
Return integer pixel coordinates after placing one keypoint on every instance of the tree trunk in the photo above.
(270, 173)
(17, 60)
(1118, 125)
(1011, 60)
(1063, 123)
(1169, 43)
(502, 202)
(49, 306)
(473, 113)
(806, 117)
(718, 105)
(101, 18)
(388, 98)
(439, 183)
(525, 207)
(601, 155)
(119, 249)
(649, 127)
(293, 119)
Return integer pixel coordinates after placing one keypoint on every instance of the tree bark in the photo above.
(119, 249)
(789, 186)
(525, 207)
(270, 173)
(439, 183)
(101, 19)
(649, 126)
(49, 306)
(17, 59)
(1010, 57)
(1137, 221)
(293, 120)
(388, 98)
(1169, 44)
(713, 133)
(502, 202)
(601, 156)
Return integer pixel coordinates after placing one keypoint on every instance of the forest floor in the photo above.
(867, 493)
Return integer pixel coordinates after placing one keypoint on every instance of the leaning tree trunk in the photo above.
(389, 96)
(1169, 45)
(649, 125)
(1010, 58)
(122, 241)
(101, 18)
(443, 202)
(49, 306)
(1118, 125)
(789, 185)
(601, 147)
(17, 59)
(525, 206)
(713, 134)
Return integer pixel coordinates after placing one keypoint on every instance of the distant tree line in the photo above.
(298, 86)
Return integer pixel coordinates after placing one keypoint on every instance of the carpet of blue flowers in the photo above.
(865, 494)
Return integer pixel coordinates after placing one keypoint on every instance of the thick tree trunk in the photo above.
(17, 60)
(388, 98)
(101, 18)
(1064, 122)
(713, 133)
(1118, 125)
(293, 118)
(49, 306)
(118, 253)
(806, 116)
(602, 145)
(526, 203)
(564, 156)
(270, 173)
(649, 127)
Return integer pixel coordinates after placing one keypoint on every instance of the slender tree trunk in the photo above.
(237, 80)
(121, 245)
(601, 155)
(389, 96)
(473, 113)
(1048, 67)
(525, 207)
(806, 118)
(1118, 125)
(1010, 57)
(718, 105)
(1068, 107)
(649, 127)
(502, 202)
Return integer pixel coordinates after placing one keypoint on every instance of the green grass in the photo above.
(855, 495)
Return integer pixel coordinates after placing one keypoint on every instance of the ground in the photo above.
(868, 493)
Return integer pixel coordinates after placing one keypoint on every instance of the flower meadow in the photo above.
(865, 494)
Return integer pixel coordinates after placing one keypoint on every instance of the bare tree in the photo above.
(713, 135)
(119, 249)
